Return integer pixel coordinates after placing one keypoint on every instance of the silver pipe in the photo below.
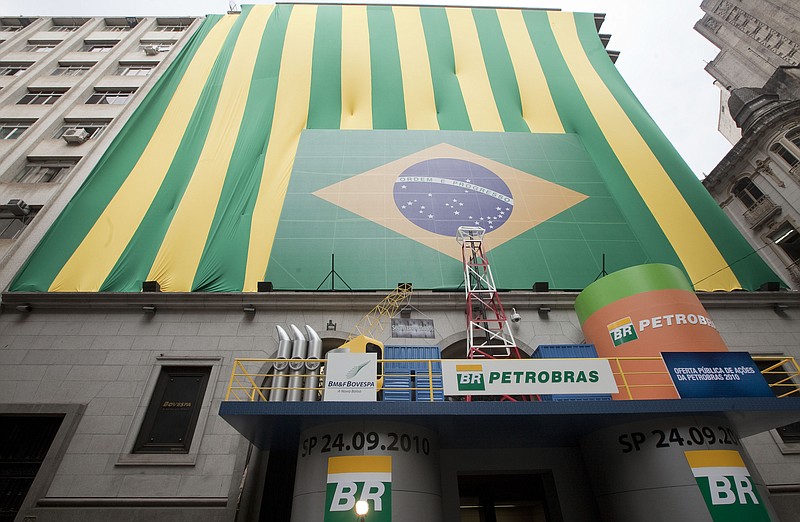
(279, 380)
(296, 369)
(313, 367)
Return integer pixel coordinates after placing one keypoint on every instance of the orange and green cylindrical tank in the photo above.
(642, 311)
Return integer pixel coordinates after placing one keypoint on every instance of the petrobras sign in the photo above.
(727, 486)
(624, 330)
(351, 377)
(357, 478)
(527, 376)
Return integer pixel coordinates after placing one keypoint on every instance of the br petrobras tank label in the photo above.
(728, 489)
(523, 376)
(355, 478)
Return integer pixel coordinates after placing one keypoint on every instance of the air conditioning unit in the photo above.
(150, 50)
(16, 207)
(75, 136)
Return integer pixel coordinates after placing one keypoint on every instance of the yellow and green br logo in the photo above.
(726, 486)
(622, 331)
(355, 478)
(470, 377)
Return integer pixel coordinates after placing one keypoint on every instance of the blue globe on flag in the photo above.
(442, 194)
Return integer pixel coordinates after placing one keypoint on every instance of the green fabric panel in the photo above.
(88, 203)
(576, 117)
(559, 250)
(500, 70)
(136, 260)
(751, 270)
(325, 105)
(628, 282)
(388, 103)
(450, 106)
(224, 260)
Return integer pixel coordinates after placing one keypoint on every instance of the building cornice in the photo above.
(750, 140)
(342, 301)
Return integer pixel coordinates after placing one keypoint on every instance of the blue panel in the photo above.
(413, 352)
(397, 385)
(565, 351)
(716, 374)
(423, 387)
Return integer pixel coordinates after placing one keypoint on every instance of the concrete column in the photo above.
(682, 468)
(394, 466)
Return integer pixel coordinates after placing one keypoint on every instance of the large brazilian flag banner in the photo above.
(288, 133)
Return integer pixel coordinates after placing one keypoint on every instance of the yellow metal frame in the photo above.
(779, 368)
(386, 309)
(247, 373)
(243, 385)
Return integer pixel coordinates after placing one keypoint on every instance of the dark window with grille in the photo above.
(172, 414)
(779, 379)
(785, 155)
(746, 191)
(24, 443)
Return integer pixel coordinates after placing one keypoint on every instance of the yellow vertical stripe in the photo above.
(471, 72)
(416, 70)
(99, 251)
(356, 69)
(289, 120)
(696, 250)
(176, 263)
(538, 109)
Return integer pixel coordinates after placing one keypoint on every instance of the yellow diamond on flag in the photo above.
(427, 195)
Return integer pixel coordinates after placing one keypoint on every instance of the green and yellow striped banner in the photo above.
(194, 191)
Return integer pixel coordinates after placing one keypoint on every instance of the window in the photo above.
(785, 154)
(779, 377)
(171, 28)
(13, 69)
(41, 97)
(48, 171)
(109, 98)
(67, 25)
(11, 226)
(39, 47)
(794, 136)
(71, 69)
(93, 128)
(161, 47)
(788, 239)
(15, 24)
(746, 192)
(171, 417)
(97, 47)
(135, 69)
(24, 444)
(11, 130)
(121, 24)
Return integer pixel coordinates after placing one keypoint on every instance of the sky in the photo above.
(662, 56)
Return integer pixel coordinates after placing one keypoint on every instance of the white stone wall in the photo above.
(105, 360)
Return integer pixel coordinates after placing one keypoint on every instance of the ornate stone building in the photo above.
(758, 182)
(755, 37)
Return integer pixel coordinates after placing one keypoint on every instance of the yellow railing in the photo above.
(781, 373)
(251, 379)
